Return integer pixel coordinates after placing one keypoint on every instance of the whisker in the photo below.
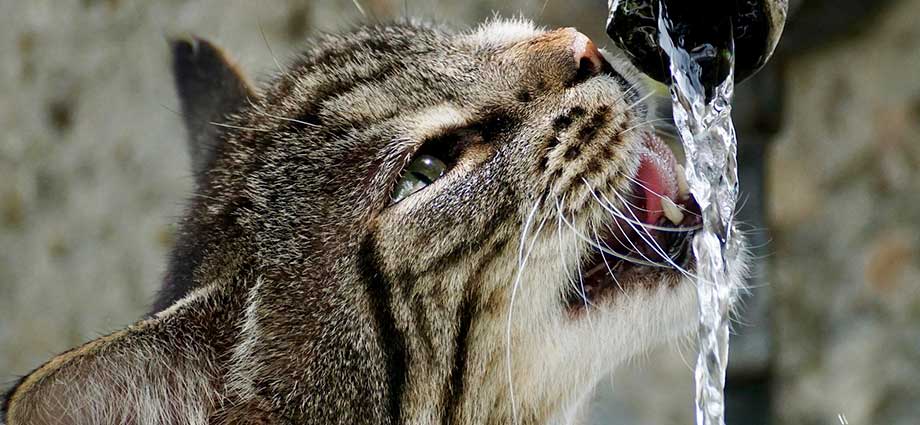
(641, 124)
(522, 262)
(542, 9)
(640, 101)
(655, 246)
(584, 294)
(565, 267)
(607, 250)
(666, 134)
(650, 241)
(612, 210)
(360, 9)
(610, 272)
(238, 127)
(269, 46)
(636, 181)
(278, 117)
(740, 204)
(635, 248)
(680, 345)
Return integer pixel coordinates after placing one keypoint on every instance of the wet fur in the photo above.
(297, 294)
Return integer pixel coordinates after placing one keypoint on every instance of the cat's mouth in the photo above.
(649, 234)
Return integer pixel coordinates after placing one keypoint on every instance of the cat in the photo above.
(409, 224)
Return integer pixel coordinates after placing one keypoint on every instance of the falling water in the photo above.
(703, 118)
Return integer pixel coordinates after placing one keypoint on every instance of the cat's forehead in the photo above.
(502, 32)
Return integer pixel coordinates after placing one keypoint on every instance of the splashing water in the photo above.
(703, 118)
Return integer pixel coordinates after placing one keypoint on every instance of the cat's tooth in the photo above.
(671, 211)
(683, 189)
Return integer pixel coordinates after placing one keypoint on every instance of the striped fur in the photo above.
(296, 292)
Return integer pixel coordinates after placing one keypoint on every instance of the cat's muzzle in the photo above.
(649, 234)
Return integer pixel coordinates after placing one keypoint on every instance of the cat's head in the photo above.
(486, 218)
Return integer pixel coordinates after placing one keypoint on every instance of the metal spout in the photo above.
(706, 26)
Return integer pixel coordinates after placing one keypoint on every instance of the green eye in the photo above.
(422, 171)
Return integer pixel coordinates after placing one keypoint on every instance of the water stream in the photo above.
(703, 118)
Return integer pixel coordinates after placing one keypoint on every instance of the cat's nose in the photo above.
(563, 56)
(588, 59)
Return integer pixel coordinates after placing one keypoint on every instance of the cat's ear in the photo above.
(150, 373)
(210, 87)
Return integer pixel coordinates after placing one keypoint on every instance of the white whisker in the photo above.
(613, 210)
(278, 117)
(642, 185)
(581, 284)
(565, 267)
(635, 248)
(607, 250)
(655, 246)
(237, 127)
(641, 124)
(360, 9)
(639, 231)
(640, 101)
(611, 273)
(616, 213)
(542, 9)
(269, 47)
(522, 262)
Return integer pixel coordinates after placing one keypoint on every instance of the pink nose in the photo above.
(587, 57)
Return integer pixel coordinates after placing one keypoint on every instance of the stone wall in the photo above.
(843, 197)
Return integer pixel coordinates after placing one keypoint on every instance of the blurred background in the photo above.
(93, 174)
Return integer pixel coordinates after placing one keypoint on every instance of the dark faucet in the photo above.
(704, 28)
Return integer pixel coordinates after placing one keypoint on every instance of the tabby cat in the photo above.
(407, 225)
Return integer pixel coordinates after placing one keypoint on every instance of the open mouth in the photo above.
(649, 233)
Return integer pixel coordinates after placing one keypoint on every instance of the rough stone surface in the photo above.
(843, 187)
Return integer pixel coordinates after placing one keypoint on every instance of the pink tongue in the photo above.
(657, 173)
(652, 186)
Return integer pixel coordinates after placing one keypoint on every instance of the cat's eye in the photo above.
(421, 172)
